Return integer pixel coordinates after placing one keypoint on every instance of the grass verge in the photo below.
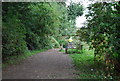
(61, 50)
(16, 59)
(86, 68)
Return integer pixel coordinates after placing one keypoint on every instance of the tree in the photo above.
(32, 26)
(74, 10)
(103, 22)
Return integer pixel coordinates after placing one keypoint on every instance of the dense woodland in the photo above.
(34, 26)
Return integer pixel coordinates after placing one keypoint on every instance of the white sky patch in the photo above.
(81, 19)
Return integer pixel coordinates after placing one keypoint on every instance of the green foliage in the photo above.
(34, 26)
(74, 10)
(54, 42)
(83, 34)
(73, 51)
(61, 50)
(13, 38)
(87, 69)
(102, 33)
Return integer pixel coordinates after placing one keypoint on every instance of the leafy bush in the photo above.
(102, 33)
(13, 37)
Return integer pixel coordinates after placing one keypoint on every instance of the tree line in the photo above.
(33, 26)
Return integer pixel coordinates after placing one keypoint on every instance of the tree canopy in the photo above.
(31, 26)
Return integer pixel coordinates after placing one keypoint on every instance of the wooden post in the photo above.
(66, 49)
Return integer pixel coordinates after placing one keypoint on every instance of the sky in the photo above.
(80, 20)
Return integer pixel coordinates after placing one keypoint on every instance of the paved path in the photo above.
(50, 64)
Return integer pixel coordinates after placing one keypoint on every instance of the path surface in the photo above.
(50, 64)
